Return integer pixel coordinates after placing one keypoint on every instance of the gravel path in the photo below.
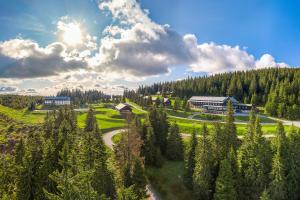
(107, 138)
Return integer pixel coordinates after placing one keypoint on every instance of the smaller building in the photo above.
(123, 108)
(57, 101)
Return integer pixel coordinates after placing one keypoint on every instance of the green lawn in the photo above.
(168, 181)
(187, 126)
(23, 115)
(209, 117)
(262, 119)
(108, 119)
(178, 113)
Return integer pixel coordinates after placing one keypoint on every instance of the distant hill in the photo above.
(277, 89)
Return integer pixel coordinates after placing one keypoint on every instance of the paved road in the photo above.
(107, 138)
(186, 135)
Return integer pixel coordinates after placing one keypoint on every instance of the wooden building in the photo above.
(123, 108)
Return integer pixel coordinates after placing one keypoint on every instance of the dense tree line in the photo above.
(220, 167)
(278, 89)
(20, 101)
(79, 97)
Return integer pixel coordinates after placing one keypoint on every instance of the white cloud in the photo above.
(141, 47)
(267, 61)
(131, 49)
(21, 58)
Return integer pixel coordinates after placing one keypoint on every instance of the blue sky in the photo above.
(127, 45)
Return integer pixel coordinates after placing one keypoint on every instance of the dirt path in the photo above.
(107, 138)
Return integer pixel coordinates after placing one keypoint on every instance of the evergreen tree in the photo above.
(293, 168)
(190, 161)
(230, 129)
(174, 144)
(176, 104)
(225, 184)
(28, 185)
(278, 190)
(265, 196)
(202, 176)
(20, 152)
(139, 179)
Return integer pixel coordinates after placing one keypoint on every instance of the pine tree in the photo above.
(278, 188)
(64, 180)
(28, 185)
(293, 168)
(230, 129)
(176, 104)
(174, 144)
(265, 196)
(139, 179)
(202, 176)
(190, 161)
(225, 184)
(19, 152)
(127, 194)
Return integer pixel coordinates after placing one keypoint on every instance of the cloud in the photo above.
(267, 61)
(8, 90)
(141, 47)
(132, 48)
(21, 58)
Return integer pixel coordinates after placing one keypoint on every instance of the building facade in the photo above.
(57, 101)
(217, 105)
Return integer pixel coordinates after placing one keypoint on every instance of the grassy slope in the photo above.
(107, 118)
(23, 115)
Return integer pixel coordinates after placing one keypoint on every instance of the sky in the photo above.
(111, 45)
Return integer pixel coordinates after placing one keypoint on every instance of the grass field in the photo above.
(262, 119)
(208, 117)
(187, 126)
(23, 115)
(108, 119)
(168, 180)
(178, 113)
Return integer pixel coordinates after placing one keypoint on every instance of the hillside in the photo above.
(276, 89)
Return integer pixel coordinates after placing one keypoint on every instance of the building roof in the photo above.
(63, 98)
(212, 99)
(121, 106)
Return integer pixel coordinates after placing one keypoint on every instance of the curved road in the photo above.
(107, 138)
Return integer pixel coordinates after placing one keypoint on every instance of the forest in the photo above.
(79, 97)
(276, 89)
(61, 161)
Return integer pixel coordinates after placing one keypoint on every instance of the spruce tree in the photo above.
(230, 129)
(202, 176)
(190, 161)
(225, 183)
(139, 179)
(265, 195)
(278, 186)
(293, 168)
(174, 144)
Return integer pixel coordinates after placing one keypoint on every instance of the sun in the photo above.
(72, 34)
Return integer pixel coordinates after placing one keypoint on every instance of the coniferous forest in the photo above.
(276, 89)
(59, 160)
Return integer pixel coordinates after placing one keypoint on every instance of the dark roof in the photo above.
(58, 98)
(212, 99)
(121, 106)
